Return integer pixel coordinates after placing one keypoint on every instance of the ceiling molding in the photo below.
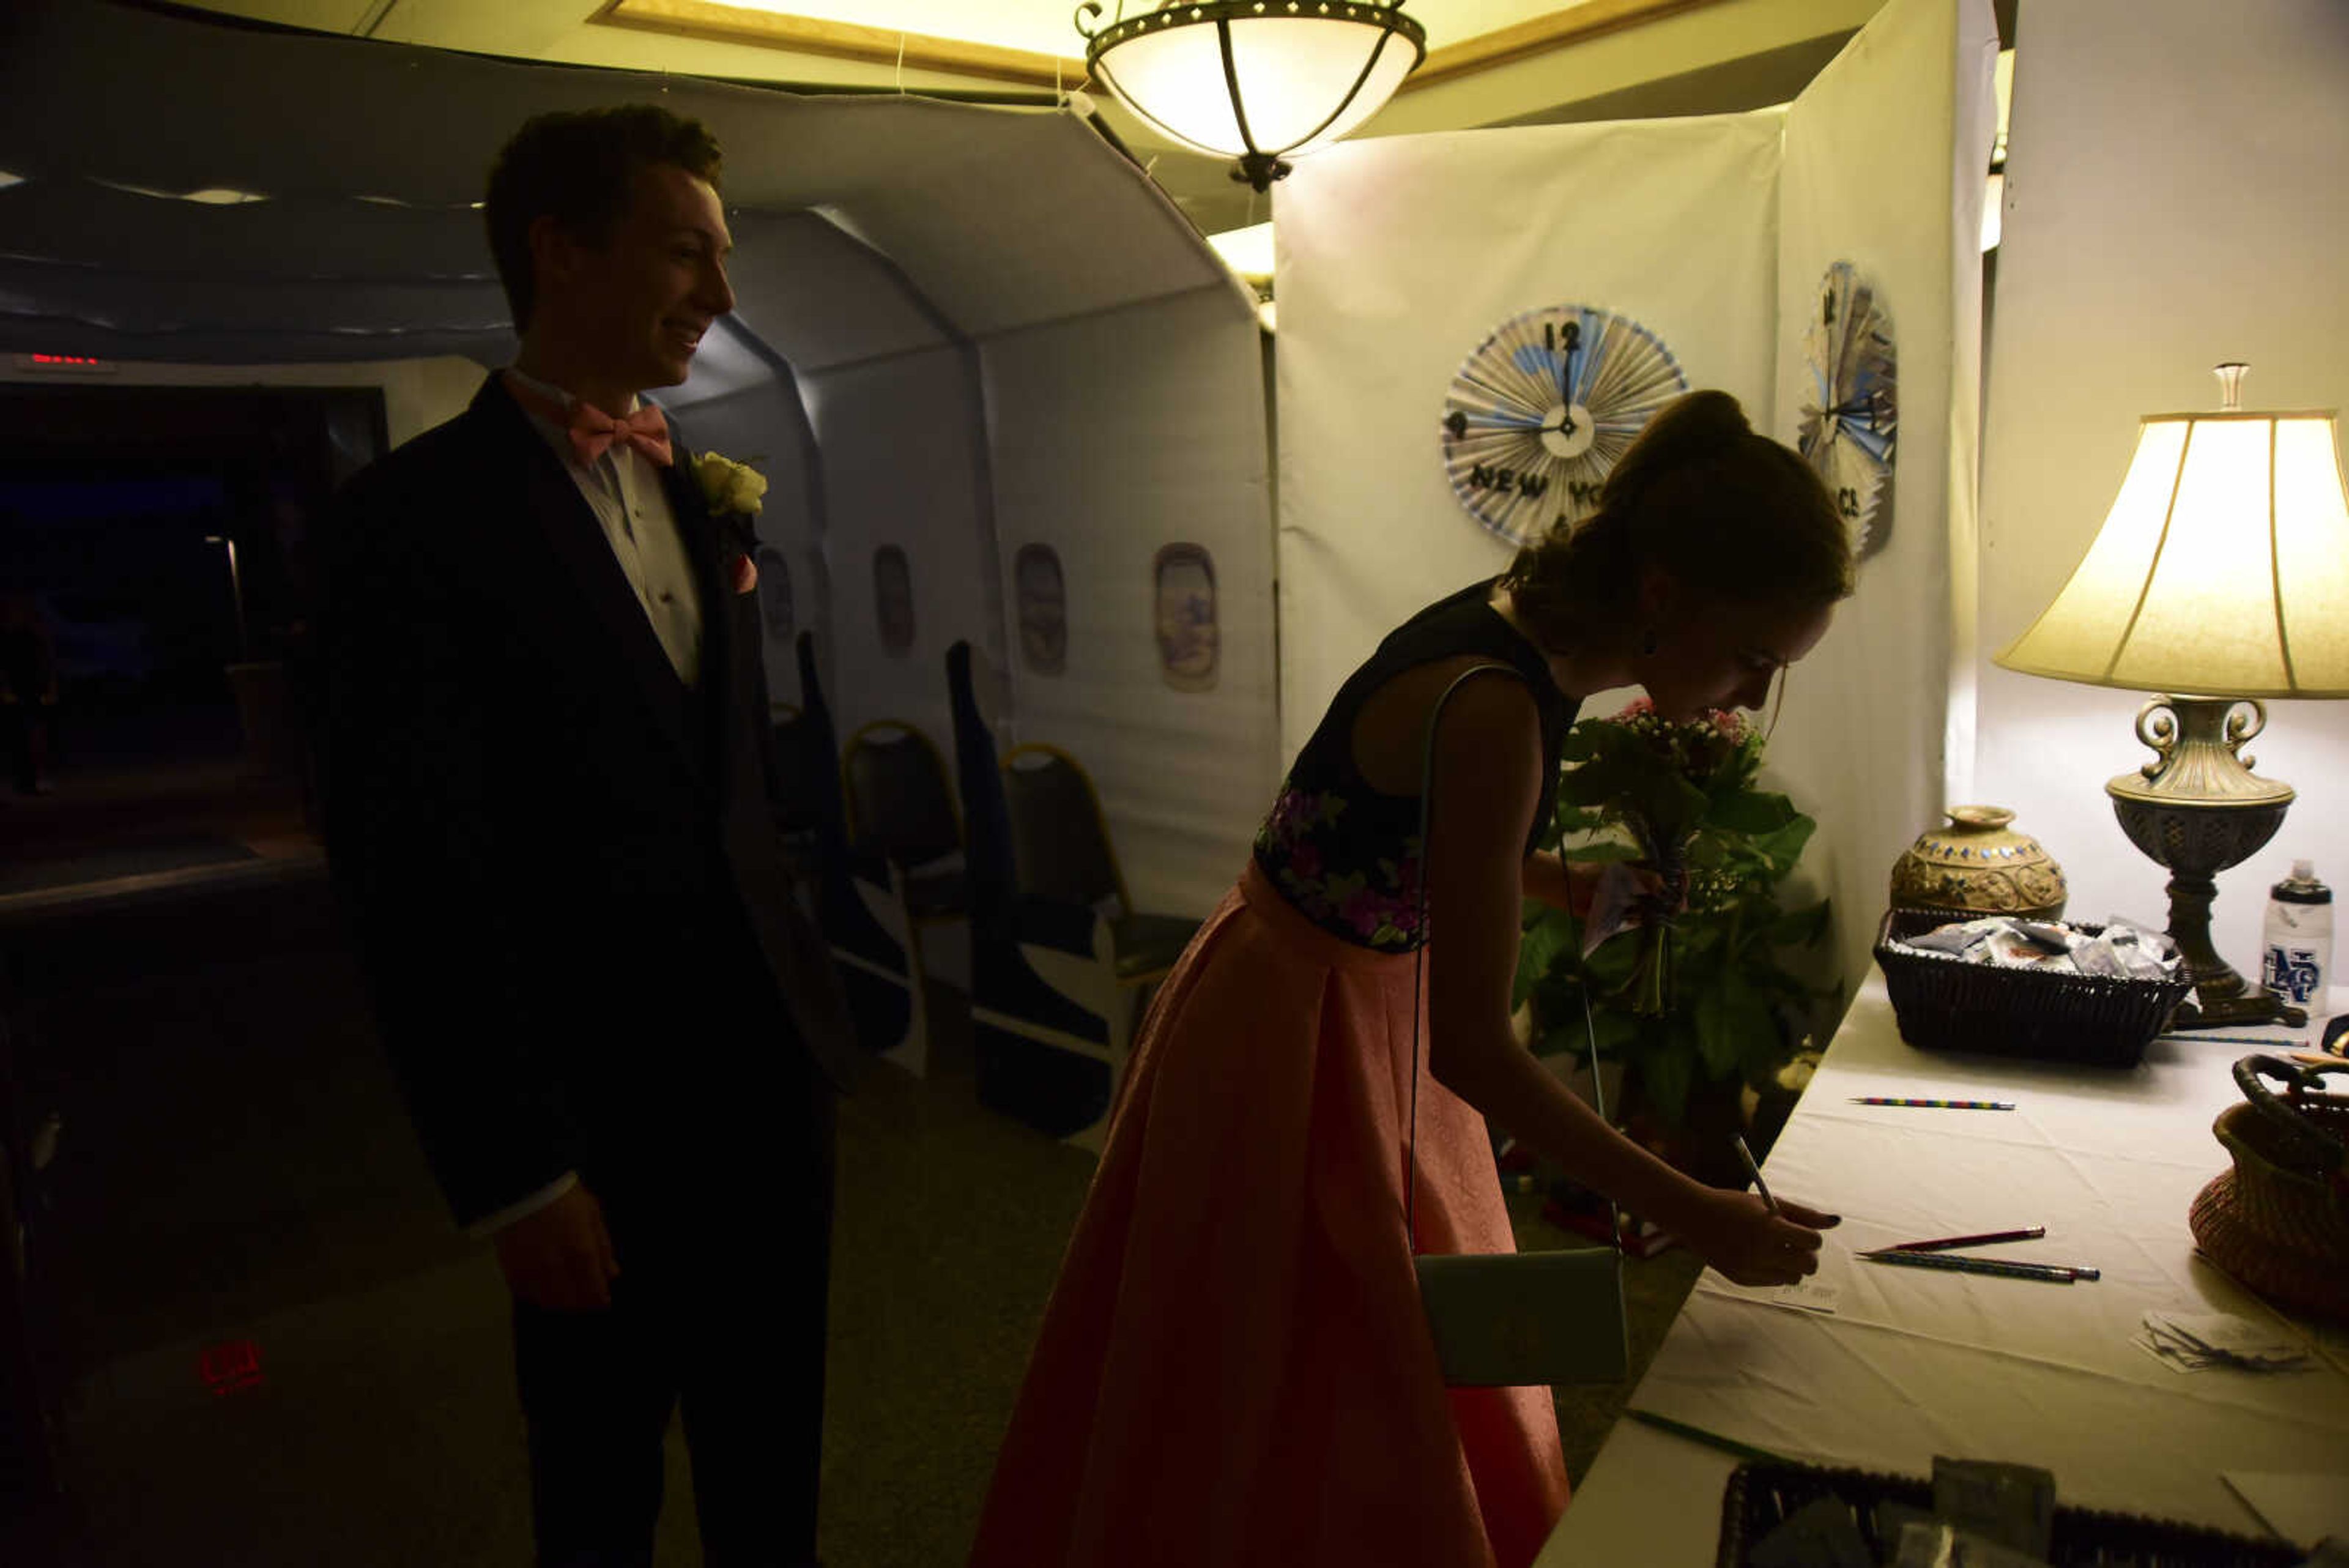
(844, 40)
(1558, 30)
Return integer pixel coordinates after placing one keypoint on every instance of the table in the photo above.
(1915, 1363)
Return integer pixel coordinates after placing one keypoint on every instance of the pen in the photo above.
(1755, 1171)
(2053, 1273)
(1943, 1244)
(1933, 1104)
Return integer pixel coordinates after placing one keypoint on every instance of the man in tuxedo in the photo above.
(546, 788)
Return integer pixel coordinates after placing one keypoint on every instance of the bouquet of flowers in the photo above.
(1659, 782)
(1690, 989)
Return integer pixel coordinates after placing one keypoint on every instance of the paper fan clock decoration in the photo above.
(1542, 410)
(1851, 427)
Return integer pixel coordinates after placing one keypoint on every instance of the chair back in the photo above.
(1059, 841)
(810, 762)
(987, 822)
(797, 794)
(898, 800)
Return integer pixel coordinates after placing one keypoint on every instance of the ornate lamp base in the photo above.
(2199, 810)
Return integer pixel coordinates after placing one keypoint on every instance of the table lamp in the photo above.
(2220, 577)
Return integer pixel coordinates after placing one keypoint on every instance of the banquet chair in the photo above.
(854, 906)
(799, 764)
(1061, 843)
(1060, 962)
(900, 814)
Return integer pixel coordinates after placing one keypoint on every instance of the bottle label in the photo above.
(2291, 973)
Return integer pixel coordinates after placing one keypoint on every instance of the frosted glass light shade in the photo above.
(2221, 570)
(1265, 78)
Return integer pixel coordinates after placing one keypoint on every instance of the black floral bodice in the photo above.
(1347, 855)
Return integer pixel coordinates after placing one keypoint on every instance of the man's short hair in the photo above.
(580, 169)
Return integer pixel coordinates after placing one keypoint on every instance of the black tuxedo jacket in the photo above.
(559, 863)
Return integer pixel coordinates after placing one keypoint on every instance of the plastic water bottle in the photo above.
(2296, 945)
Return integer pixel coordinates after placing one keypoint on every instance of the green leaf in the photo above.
(1609, 964)
(1538, 951)
(1751, 812)
(1567, 1031)
(1716, 1038)
(1735, 1027)
(1574, 819)
(1785, 846)
(1799, 928)
(1666, 1075)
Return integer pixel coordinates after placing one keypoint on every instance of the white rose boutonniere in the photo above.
(730, 487)
(734, 491)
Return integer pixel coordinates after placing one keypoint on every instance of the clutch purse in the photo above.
(1502, 1319)
(1510, 1319)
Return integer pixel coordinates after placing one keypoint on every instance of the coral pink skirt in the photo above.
(1235, 1367)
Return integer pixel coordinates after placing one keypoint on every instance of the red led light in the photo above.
(231, 1367)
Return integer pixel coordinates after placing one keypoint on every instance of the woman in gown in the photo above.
(1235, 1367)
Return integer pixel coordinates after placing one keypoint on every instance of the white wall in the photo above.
(903, 463)
(2175, 196)
(417, 393)
(1106, 463)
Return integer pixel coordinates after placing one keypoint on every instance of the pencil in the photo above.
(1944, 1243)
(1933, 1104)
(2053, 1273)
(1755, 1171)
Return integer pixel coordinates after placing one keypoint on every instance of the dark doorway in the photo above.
(155, 575)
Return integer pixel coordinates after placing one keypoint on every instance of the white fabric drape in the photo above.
(1398, 255)
(1887, 155)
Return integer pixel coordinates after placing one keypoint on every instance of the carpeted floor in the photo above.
(235, 1167)
(134, 859)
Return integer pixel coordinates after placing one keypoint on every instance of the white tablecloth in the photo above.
(1915, 1363)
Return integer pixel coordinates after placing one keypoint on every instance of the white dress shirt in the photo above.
(624, 488)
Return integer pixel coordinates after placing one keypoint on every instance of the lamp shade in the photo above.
(1257, 80)
(2221, 570)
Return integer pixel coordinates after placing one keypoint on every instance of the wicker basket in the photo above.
(1760, 1495)
(1945, 1003)
(2279, 1220)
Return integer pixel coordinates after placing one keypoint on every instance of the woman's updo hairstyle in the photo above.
(1703, 497)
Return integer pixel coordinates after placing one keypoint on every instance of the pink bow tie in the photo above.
(593, 432)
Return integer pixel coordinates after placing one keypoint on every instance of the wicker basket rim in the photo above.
(2073, 1512)
(1890, 952)
(1890, 956)
(2237, 1128)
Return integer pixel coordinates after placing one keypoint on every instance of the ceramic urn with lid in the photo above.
(1979, 864)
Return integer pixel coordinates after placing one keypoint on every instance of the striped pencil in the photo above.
(1933, 1104)
(2053, 1273)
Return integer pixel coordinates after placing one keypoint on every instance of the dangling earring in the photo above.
(1648, 644)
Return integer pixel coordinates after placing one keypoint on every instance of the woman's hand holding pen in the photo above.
(1738, 1235)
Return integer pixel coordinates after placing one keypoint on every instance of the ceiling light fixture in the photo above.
(1260, 81)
